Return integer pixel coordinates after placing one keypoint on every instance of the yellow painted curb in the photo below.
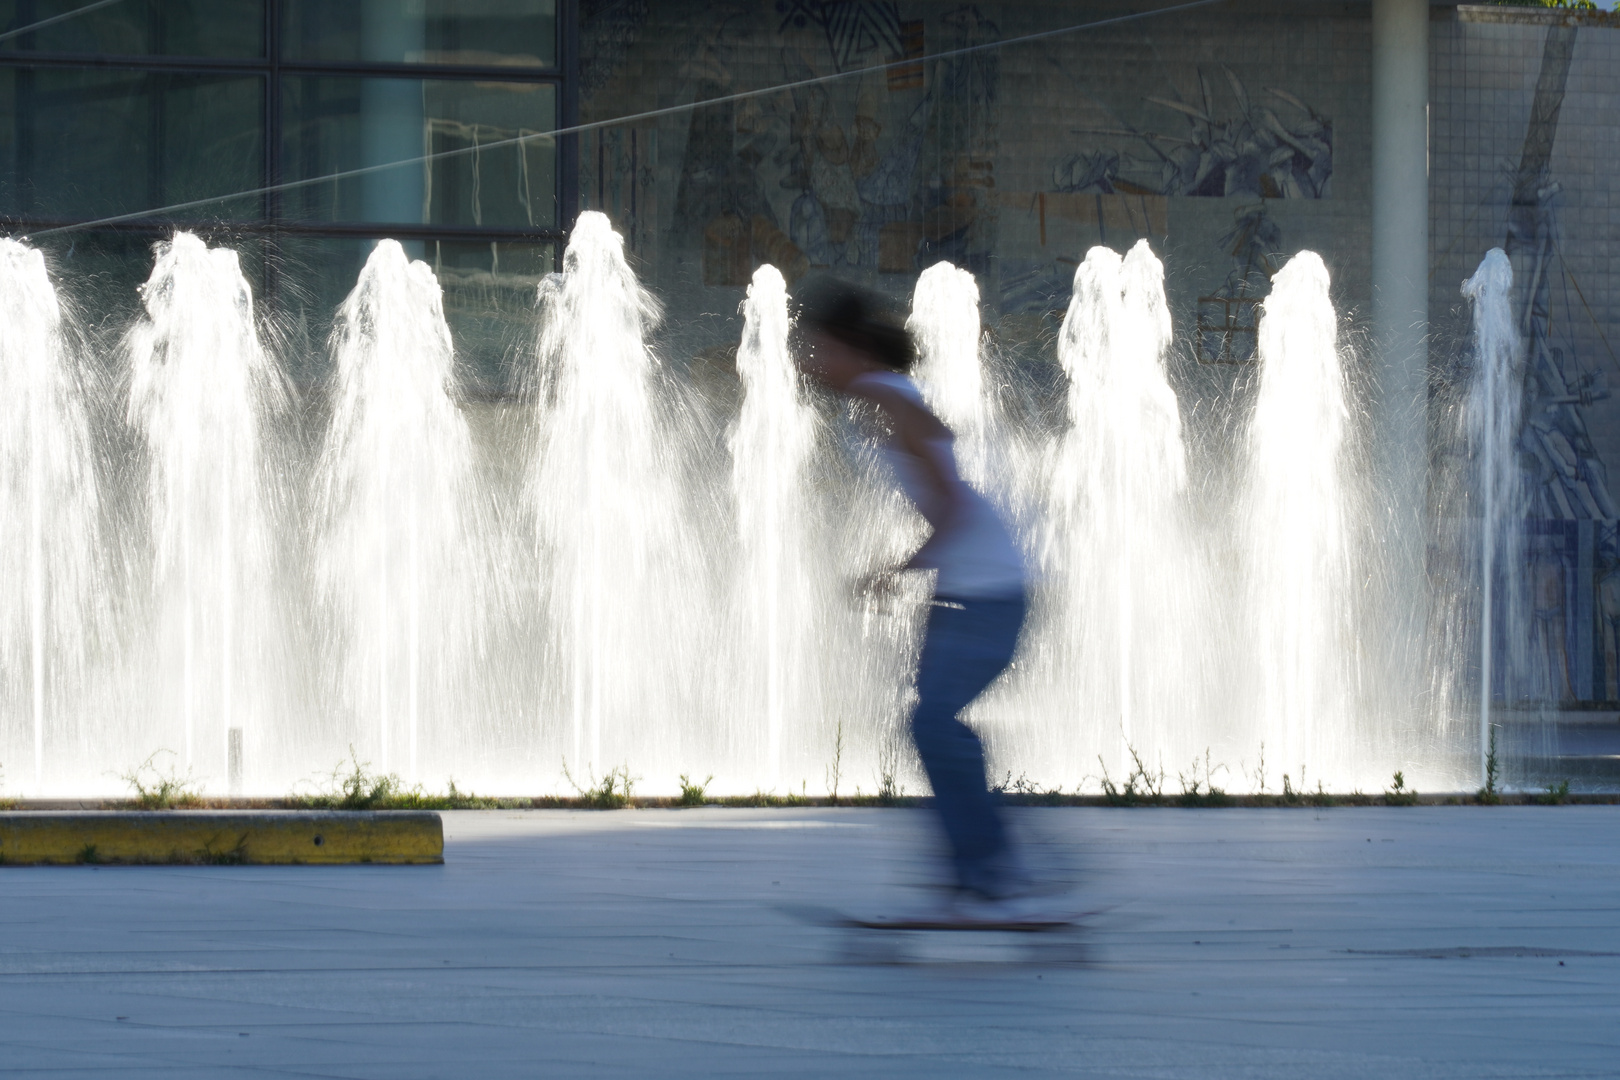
(220, 837)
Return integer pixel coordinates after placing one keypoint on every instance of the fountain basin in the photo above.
(220, 837)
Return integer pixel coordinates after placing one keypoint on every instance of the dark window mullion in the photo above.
(224, 231)
(567, 179)
(272, 152)
(384, 69)
(206, 65)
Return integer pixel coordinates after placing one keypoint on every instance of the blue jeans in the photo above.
(967, 645)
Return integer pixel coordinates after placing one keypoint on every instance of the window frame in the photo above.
(273, 69)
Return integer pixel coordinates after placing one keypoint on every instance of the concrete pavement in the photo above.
(1356, 942)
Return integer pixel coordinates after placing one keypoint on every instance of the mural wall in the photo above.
(1524, 156)
(1230, 139)
(1222, 139)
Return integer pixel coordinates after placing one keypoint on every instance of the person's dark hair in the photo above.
(858, 317)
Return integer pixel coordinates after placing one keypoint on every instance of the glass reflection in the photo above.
(493, 171)
(519, 33)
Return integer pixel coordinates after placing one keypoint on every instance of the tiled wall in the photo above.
(1015, 160)
(1011, 161)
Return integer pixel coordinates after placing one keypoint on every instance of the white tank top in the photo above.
(978, 559)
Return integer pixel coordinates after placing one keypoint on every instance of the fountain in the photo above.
(945, 324)
(656, 581)
(1117, 475)
(1491, 419)
(770, 445)
(1297, 523)
(396, 561)
(51, 557)
(617, 580)
(202, 388)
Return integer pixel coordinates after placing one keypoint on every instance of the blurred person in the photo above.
(854, 347)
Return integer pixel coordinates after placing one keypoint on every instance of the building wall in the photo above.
(1510, 88)
(1230, 139)
(1011, 161)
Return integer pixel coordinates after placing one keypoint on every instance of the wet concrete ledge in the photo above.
(220, 837)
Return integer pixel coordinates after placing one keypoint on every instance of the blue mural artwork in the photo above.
(1227, 324)
(854, 28)
(1236, 147)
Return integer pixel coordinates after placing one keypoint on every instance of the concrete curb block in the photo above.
(220, 837)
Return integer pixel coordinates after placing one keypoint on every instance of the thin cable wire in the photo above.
(631, 118)
(54, 19)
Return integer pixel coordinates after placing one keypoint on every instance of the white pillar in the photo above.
(1400, 244)
(1400, 328)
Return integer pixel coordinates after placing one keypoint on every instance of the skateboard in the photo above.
(1053, 937)
(1058, 918)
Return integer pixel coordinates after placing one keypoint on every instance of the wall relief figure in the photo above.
(1228, 144)
(1226, 318)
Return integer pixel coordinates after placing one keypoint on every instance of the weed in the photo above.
(353, 786)
(356, 787)
(1320, 797)
(835, 770)
(1201, 791)
(1140, 785)
(1555, 794)
(456, 799)
(692, 794)
(1260, 772)
(1029, 792)
(235, 855)
(87, 854)
(1399, 794)
(1488, 794)
(158, 789)
(890, 790)
(612, 792)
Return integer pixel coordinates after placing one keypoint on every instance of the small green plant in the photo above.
(355, 787)
(835, 769)
(1257, 779)
(1141, 784)
(1028, 791)
(692, 793)
(1320, 797)
(1568, 5)
(1489, 795)
(1199, 790)
(612, 792)
(352, 785)
(235, 855)
(88, 855)
(890, 790)
(162, 789)
(1555, 795)
(1399, 794)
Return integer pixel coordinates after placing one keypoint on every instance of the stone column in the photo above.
(1400, 306)
(1400, 237)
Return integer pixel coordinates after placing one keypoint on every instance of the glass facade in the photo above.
(297, 131)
